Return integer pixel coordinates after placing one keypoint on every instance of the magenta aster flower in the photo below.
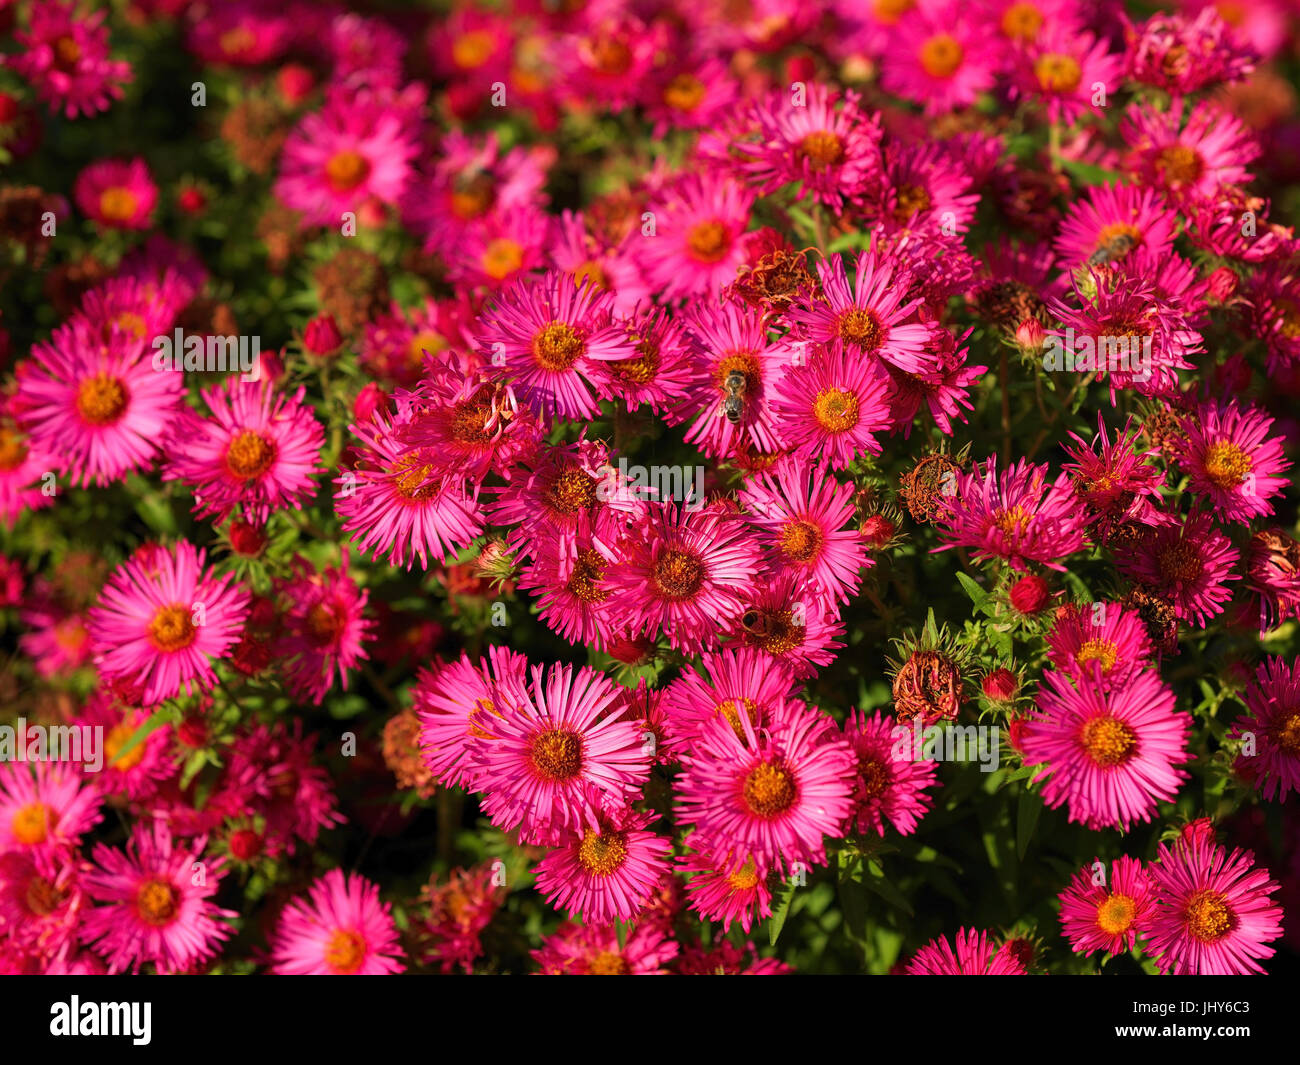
(23, 464)
(41, 900)
(721, 889)
(1273, 568)
(735, 682)
(1016, 515)
(683, 573)
(833, 406)
(258, 452)
(786, 619)
(1186, 563)
(801, 513)
(976, 955)
(553, 763)
(1272, 723)
(45, 806)
(569, 585)
(1108, 754)
(324, 628)
(1060, 69)
(98, 404)
(690, 94)
(348, 153)
(136, 774)
(116, 193)
(1110, 915)
(696, 247)
(1111, 214)
(594, 950)
(544, 337)
(660, 374)
(1232, 461)
(161, 620)
(576, 252)
(887, 787)
(1101, 639)
(1113, 479)
(1181, 53)
(923, 189)
(940, 55)
(608, 872)
(1192, 159)
(155, 903)
(502, 247)
(867, 317)
(826, 142)
(775, 796)
(1213, 914)
(340, 929)
(66, 58)
(943, 387)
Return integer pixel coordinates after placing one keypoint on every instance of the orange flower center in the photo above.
(684, 93)
(426, 340)
(101, 399)
(609, 963)
(558, 346)
(836, 411)
(861, 328)
(1013, 521)
(1108, 741)
(346, 170)
(250, 455)
(323, 623)
(1208, 916)
(116, 740)
(42, 897)
(602, 854)
(1022, 21)
(31, 824)
(171, 628)
(801, 541)
(1102, 651)
(1226, 465)
(745, 878)
(1179, 562)
(678, 574)
(941, 56)
(502, 257)
(67, 54)
(708, 242)
(1115, 915)
(821, 148)
(1057, 73)
(13, 450)
(156, 902)
(1286, 735)
(584, 582)
(473, 49)
(890, 11)
(572, 490)
(557, 755)
(118, 204)
(473, 197)
(345, 952)
(769, 789)
(1180, 164)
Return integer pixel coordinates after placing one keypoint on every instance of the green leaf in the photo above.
(978, 595)
(1089, 173)
(1027, 811)
(781, 901)
(157, 719)
(876, 881)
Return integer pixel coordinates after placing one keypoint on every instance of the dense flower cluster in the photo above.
(653, 473)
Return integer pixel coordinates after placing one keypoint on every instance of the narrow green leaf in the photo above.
(1027, 811)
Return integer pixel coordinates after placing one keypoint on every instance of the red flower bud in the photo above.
(192, 732)
(295, 83)
(246, 539)
(877, 530)
(1030, 334)
(1223, 284)
(369, 399)
(1000, 684)
(191, 199)
(245, 844)
(1029, 594)
(322, 336)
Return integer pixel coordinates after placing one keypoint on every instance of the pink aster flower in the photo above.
(683, 573)
(400, 503)
(1191, 159)
(66, 58)
(1109, 754)
(58, 641)
(1061, 69)
(460, 908)
(1102, 639)
(155, 903)
(826, 142)
(695, 245)
(455, 706)
(940, 55)
(786, 619)
(594, 950)
(568, 583)
(976, 955)
(735, 682)
(343, 156)
(340, 929)
(1273, 569)
(924, 189)
(832, 407)
(1116, 219)
(1187, 563)
(1272, 721)
(1232, 461)
(116, 193)
(660, 374)
(942, 388)
(888, 786)
(1182, 54)
(545, 337)
(258, 452)
(241, 33)
(324, 628)
(41, 900)
(45, 806)
(800, 513)
(608, 872)
(135, 774)
(1113, 479)
(503, 247)
(97, 404)
(23, 464)
(553, 764)
(774, 795)
(161, 620)
(690, 94)
(868, 317)
(608, 57)
(576, 252)
(1107, 916)
(1213, 914)
(722, 889)
(1016, 515)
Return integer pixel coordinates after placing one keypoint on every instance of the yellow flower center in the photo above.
(13, 450)
(708, 241)
(678, 574)
(156, 902)
(745, 878)
(118, 204)
(801, 541)
(1226, 465)
(1102, 651)
(1108, 741)
(250, 455)
(572, 490)
(769, 789)
(1022, 21)
(1115, 915)
(1208, 916)
(557, 755)
(1180, 164)
(1057, 73)
(602, 854)
(502, 257)
(31, 824)
(588, 569)
(116, 740)
(473, 49)
(101, 399)
(609, 963)
(910, 200)
(941, 56)
(822, 148)
(861, 328)
(171, 628)
(836, 411)
(558, 346)
(346, 170)
(684, 93)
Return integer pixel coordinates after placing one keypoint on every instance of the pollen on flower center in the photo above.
(875, 778)
(1022, 21)
(684, 93)
(323, 623)
(573, 489)
(558, 346)
(1180, 562)
(745, 878)
(1115, 915)
(115, 741)
(769, 789)
(557, 755)
(890, 11)
(172, 628)
(1208, 915)
(469, 422)
(345, 951)
(101, 400)
(42, 896)
(1108, 741)
(1013, 521)
(502, 257)
(801, 541)
(156, 901)
(1057, 73)
(910, 200)
(729, 709)
(602, 854)
(708, 242)
(941, 55)
(641, 370)
(472, 49)
(13, 450)
(678, 574)
(346, 170)
(611, 56)
(118, 204)
(775, 631)
(836, 411)
(588, 569)
(1180, 164)
(821, 148)
(609, 963)
(31, 824)
(472, 198)
(861, 328)
(426, 340)
(1226, 465)
(250, 455)
(1102, 651)
(591, 272)
(67, 54)
(1287, 735)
